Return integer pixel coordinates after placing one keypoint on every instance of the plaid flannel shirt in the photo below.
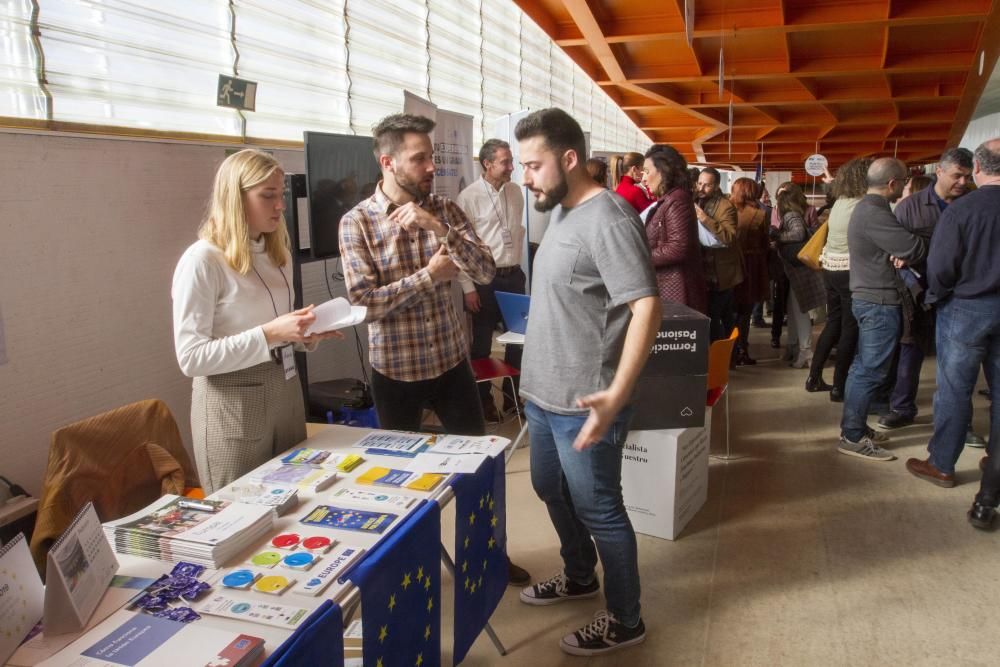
(414, 332)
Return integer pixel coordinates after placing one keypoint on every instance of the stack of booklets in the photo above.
(207, 532)
(380, 476)
(281, 498)
(394, 443)
(310, 477)
(148, 641)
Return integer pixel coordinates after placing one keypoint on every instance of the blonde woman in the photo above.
(234, 324)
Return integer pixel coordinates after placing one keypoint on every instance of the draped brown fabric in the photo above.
(122, 460)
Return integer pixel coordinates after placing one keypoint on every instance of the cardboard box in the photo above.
(666, 402)
(665, 479)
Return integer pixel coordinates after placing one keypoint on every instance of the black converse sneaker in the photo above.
(558, 588)
(601, 635)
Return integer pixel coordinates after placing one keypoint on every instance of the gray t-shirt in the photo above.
(593, 261)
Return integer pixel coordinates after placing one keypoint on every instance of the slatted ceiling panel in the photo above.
(797, 71)
(22, 96)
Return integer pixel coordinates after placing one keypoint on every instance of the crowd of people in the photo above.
(599, 277)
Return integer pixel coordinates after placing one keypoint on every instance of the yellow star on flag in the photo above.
(465, 566)
(420, 573)
(427, 583)
(392, 601)
(491, 505)
(481, 502)
(383, 632)
(493, 521)
(491, 543)
(427, 632)
(484, 564)
(473, 589)
(378, 663)
(420, 659)
(406, 581)
(480, 582)
(466, 583)
(466, 543)
(472, 519)
(430, 603)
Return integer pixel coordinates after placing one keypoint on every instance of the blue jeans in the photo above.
(879, 328)
(583, 494)
(968, 335)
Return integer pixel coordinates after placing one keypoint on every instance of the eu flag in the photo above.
(401, 593)
(318, 641)
(480, 550)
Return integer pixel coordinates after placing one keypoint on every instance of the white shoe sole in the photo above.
(544, 602)
(576, 650)
(859, 455)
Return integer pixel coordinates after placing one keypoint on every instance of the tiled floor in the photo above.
(801, 556)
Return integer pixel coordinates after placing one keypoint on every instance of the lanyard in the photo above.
(287, 286)
(503, 201)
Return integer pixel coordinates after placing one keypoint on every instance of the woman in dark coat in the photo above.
(671, 229)
(752, 236)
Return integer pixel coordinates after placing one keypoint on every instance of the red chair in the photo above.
(719, 354)
(489, 369)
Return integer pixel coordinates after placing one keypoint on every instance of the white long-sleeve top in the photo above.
(218, 313)
(491, 213)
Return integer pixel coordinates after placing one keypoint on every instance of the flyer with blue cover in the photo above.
(363, 521)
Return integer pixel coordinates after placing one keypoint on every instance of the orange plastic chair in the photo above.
(489, 369)
(719, 355)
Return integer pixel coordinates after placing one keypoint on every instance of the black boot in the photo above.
(814, 384)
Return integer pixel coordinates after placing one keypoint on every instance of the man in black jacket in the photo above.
(919, 213)
(964, 278)
(878, 245)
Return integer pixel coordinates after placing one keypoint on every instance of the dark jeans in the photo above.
(743, 316)
(484, 323)
(780, 289)
(904, 394)
(583, 494)
(722, 312)
(968, 335)
(452, 395)
(879, 328)
(841, 329)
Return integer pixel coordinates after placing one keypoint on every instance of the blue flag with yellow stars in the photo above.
(318, 641)
(401, 594)
(480, 550)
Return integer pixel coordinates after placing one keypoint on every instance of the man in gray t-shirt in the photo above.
(595, 310)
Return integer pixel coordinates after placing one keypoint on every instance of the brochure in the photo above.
(393, 443)
(335, 314)
(349, 519)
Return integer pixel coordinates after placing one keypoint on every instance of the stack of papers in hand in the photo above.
(174, 528)
(280, 498)
(336, 314)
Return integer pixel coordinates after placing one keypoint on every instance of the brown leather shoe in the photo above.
(926, 470)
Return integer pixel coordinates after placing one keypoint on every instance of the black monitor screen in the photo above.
(340, 171)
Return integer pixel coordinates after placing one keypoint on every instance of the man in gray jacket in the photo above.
(878, 245)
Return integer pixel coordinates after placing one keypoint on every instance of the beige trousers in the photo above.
(242, 419)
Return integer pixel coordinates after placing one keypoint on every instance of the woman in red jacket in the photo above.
(671, 229)
(628, 186)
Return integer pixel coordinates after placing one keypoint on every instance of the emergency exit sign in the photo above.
(236, 93)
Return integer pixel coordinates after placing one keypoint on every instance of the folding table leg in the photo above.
(449, 565)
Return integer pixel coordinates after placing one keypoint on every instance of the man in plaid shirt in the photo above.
(401, 249)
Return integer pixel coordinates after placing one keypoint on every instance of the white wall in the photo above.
(91, 229)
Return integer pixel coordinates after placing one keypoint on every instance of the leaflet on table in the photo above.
(378, 499)
(399, 478)
(445, 464)
(306, 455)
(393, 443)
(22, 597)
(337, 313)
(281, 497)
(314, 477)
(254, 611)
(148, 641)
(490, 445)
(349, 519)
